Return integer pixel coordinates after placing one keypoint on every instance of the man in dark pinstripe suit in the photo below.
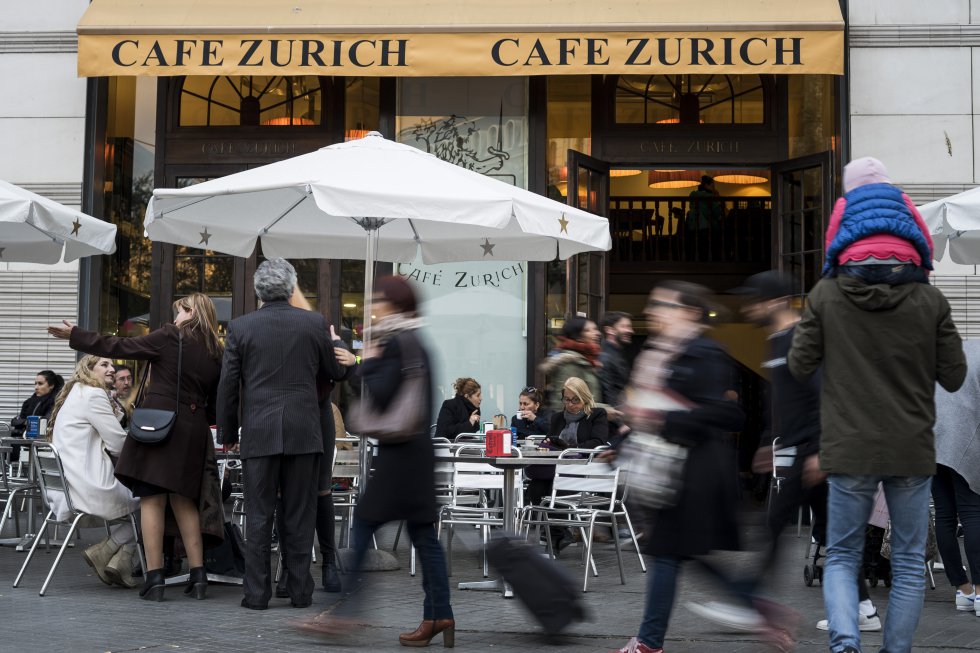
(268, 387)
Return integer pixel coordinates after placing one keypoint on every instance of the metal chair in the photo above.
(469, 502)
(347, 465)
(582, 497)
(51, 478)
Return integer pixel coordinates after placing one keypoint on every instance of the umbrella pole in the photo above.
(371, 232)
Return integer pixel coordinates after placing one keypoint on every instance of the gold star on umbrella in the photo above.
(487, 247)
(563, 221)
(75, 226)
(205, 237)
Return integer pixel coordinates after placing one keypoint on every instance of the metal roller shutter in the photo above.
(29, 302)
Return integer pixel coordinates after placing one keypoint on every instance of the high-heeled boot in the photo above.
(198, 583)
(153, 586)
(428, 629)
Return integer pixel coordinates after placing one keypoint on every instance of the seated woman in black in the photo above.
(530, 419)
(581, 425)
(461, 414)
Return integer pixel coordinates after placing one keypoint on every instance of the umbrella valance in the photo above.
(35, 229)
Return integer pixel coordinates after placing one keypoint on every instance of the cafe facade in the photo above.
(620, 113)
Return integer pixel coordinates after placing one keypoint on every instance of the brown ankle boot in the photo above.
(428, 629)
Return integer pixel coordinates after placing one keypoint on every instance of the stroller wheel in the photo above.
(808, 576)
(818, 573)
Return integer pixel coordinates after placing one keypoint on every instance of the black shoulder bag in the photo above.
(153, 425)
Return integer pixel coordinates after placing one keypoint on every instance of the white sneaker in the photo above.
(865, 624)
(966, 602)
(729, 616)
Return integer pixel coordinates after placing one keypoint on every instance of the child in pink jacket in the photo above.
(876, 224)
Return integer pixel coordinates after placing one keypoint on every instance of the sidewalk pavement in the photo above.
(80, 614)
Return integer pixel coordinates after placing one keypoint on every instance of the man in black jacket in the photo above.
(273, 357)
(617, 333)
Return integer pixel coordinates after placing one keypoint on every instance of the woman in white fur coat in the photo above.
(85, 432)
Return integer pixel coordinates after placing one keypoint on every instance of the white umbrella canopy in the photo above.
(319, 205)
(34, 229)
(954, 223)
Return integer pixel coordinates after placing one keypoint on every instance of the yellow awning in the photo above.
(450, 38)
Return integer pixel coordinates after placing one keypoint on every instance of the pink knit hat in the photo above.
(864, 171)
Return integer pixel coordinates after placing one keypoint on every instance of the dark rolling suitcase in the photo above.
(543, 586)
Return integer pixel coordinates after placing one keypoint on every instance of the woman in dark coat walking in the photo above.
(402, 487)
(178, 467)
(679, 362)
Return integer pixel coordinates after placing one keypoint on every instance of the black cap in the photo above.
(766, 286)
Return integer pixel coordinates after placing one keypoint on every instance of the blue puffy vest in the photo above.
(876, 209)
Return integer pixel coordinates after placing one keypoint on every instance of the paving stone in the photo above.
(81, 614)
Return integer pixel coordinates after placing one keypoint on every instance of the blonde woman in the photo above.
(181, 470)
(86, 432)
(581, 424)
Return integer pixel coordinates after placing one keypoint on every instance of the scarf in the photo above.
(387, 328)
(569, 434)
(590, 350)
(651, 374)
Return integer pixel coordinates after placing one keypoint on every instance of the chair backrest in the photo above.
(469, 474)
(469, 437)
(50, 473)
(347, 458)
(592, 477)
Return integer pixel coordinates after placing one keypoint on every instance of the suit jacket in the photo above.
(272, 359)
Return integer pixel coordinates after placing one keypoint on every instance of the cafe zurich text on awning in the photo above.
(449, 38)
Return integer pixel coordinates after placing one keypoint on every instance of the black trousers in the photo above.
(290, 477)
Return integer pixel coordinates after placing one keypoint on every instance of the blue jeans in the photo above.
(956, 502)
(662, 589)
(848, 509)
(660, 600)
(435, 578)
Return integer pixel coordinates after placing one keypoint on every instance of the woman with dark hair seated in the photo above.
(47, 385)
(531, 418)
(461, 414)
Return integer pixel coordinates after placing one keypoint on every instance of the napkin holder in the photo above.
(498, 442)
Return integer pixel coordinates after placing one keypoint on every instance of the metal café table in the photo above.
(510, 465)
(23, 543)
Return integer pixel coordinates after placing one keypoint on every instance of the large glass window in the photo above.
(362, 106)
(811, 114)
(476, 310)
(250, 100)
(128, 156)
(569, 128)
(690, 99)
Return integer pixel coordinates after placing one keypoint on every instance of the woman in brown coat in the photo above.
(175, 468)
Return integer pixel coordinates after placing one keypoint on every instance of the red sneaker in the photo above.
(636, 646)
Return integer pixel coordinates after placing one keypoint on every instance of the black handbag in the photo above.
(153, 425)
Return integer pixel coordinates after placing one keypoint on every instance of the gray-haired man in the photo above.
(272, 359)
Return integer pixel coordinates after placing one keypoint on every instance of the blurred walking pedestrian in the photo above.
(402, 487)
(884, 338)
(181, 470)
(576, 354)
(617, 334)
(956, 485)
(679, 362)
(273, 358)
(794, 419)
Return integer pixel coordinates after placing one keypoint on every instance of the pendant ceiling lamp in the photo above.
(673, 178)
(741, 177)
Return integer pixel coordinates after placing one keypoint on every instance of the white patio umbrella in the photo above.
(954, 223)
(373, 199)
(34, 229)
